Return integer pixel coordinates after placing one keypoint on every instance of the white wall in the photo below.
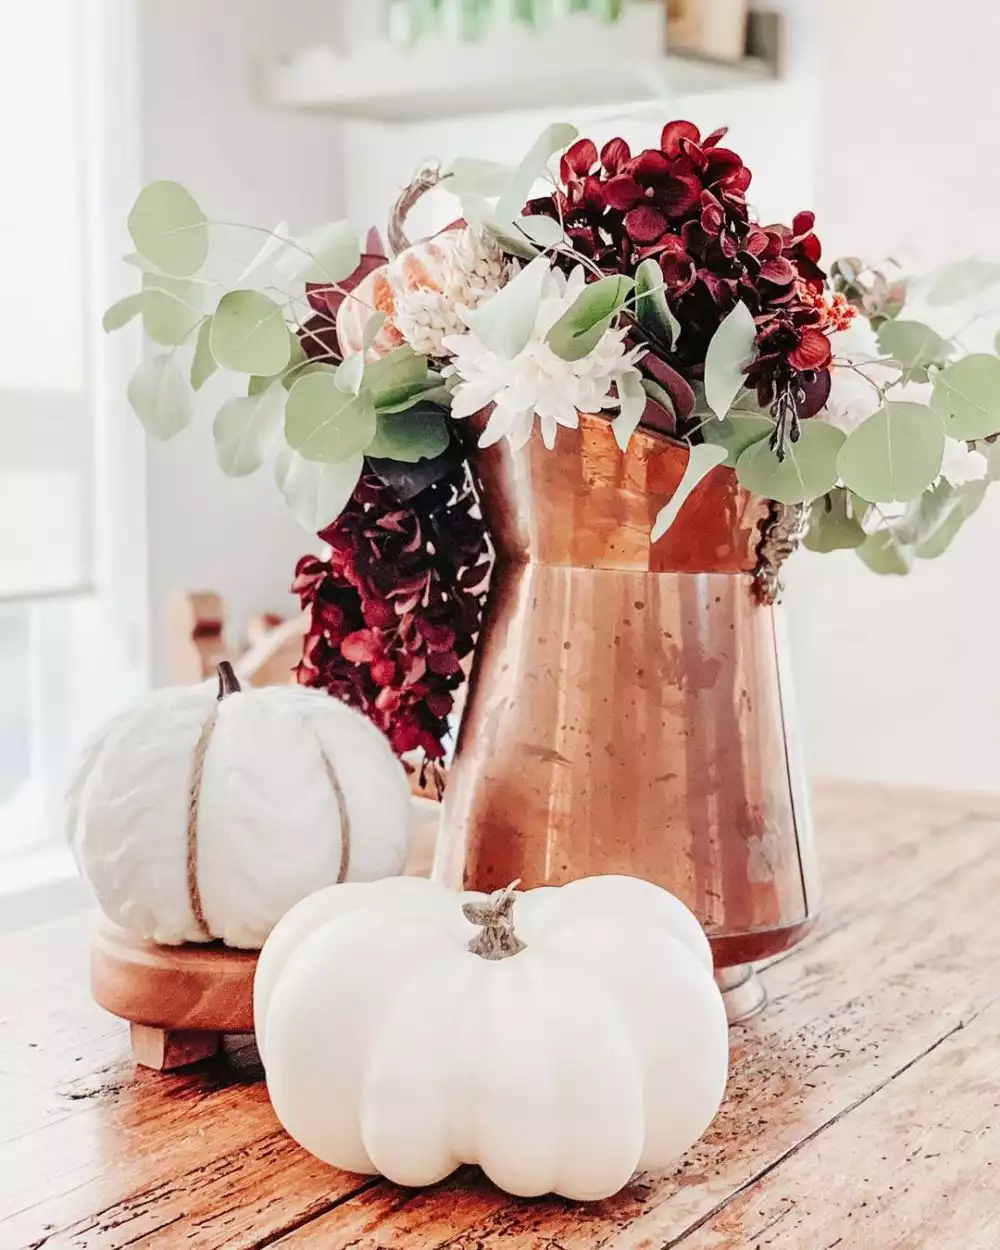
(247, 163)
(897, 677)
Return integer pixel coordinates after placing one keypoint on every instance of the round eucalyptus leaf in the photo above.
(122, 312)
(651, 305)
(171, 308)
(730, 350)
(420, 433)
(963, 502)
(737, 432)
(832, 525)
(914, 346)
(506, 321)
(160, 397)
(962, 279)
(203, 365)
(169, 229)
(316, 494)
(243, 429)
(249, 334)
(808, 470)
(967, 395)
(327, 254)
(883, 553)
(325, 423)
(582, 326)
(895, 454)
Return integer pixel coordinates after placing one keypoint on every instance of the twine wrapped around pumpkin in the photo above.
(229, 684)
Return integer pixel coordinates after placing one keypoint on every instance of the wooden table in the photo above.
(863, 1107)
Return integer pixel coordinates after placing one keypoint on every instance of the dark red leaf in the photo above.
(711, 140)
(680, 392)
(812, 352)
(577, 161)
(674, 132)
(645, 224)
(778, 270)
(679, 195)
(802, 223)
(361, 647)
(650, 168)
(623, 192)
(614, 155)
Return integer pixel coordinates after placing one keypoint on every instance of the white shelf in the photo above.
(581, 62)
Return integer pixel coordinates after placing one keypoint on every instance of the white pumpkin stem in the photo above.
(229, 683)
(425, 180)
(497, 940)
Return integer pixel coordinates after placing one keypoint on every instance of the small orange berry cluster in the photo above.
(836, 312)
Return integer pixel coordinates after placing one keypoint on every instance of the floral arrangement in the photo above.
(640, 286)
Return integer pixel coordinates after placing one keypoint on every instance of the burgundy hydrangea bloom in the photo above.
(684, 203)
(395, 607)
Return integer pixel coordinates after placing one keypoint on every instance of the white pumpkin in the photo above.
(197, 817)
(576, 1036)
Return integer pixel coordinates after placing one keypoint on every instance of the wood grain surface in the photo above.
(863, 1107)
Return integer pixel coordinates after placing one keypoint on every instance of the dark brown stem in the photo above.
(497, 940)
(229, 683)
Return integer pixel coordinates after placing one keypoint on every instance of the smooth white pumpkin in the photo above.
(268, 822)
(599, 1048)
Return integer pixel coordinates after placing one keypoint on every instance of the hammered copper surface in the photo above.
(627, 711)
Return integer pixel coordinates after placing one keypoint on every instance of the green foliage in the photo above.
(913, 346)
(961, 280)
(651, 305)
(325, 423)
(469, 175)
(505, 322)
(122, 312)
(249, 334)
(243, 430)
(512, 198)
(808, 470)
(328, 254)
(398, 380)
(967, 395)
(632, 404)
(895, 454)
(834, 523)
(316, 493)
(203, 364)
(421, 433)
(169, 229)
(350, 374)
(160, 397)
(586, 321)
(957, 505)
(702, 459)
(171, 308)
(545, 231)
(729, 352)
(737, 432)
(883, 553)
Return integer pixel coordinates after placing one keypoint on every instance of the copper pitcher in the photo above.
(630, 708)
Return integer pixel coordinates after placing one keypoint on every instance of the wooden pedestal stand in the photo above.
(181, 1000)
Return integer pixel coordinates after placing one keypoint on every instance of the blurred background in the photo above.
(878, 114)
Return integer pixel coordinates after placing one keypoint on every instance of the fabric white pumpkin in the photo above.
(295, 791)
(576, 1036)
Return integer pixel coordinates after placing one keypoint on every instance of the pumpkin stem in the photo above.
(229, 683)
(497, 940)
(427, 178)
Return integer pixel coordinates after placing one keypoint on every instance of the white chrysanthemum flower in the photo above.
(431, 282)
(537, 382)
(962, 463)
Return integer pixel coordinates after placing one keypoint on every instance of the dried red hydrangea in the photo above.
(684, 203)
(395, 607)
